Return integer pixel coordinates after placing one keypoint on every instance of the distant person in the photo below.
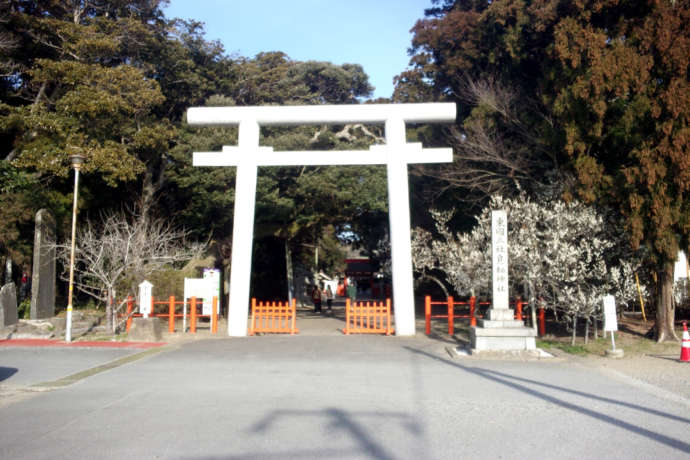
(329, 299)
(352, 290)
(316, 298)
(25, 287)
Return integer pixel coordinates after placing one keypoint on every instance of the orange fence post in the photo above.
(171, 314)
(389, 329)
(293, 328)
(192, 316)
(347, 316)
(518, 309)
(450, 316)
(427, 314)
(214, 316)
(473, 306)
(542, 321)
(130, 307)
(153, 310)
(251, 323)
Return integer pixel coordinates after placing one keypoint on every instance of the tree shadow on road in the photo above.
(520, 384)
(336, 420)
(7, 372)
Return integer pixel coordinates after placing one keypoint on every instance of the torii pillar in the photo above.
(248, 156)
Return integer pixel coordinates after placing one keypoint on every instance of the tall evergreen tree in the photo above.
(604, 82)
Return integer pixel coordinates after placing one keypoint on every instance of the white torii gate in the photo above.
(247, 156)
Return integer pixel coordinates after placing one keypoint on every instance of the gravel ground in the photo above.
(662, 371)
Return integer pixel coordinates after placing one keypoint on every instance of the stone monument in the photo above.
(8, 305)
(43, 275)
(500, 331)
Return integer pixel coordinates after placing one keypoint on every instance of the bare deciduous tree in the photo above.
(497, 149)
(123, 245)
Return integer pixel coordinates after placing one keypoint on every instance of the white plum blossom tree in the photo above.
(461, 257)
(566, 256)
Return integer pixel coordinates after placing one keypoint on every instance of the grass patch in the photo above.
(566, 347)
(631, 345)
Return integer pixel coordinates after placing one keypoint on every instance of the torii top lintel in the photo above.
(322, 114)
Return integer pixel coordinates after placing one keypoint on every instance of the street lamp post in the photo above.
(77, 160)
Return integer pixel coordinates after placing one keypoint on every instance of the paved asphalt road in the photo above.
(329, 397)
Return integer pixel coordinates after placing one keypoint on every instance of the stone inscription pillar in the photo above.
(500, 331)
(8, 305)
(43, 274)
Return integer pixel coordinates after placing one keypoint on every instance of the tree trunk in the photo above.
(586, 332)
(532, 306)
(572, 341)
(288, 269)
(665, 308)
(437, 281)
(109, 323)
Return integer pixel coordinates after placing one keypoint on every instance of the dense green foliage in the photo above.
(596, 88)
(111, 80)
(587, 96)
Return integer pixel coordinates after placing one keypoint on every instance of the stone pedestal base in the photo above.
(146, 330)
(617, 353)
(501, 332)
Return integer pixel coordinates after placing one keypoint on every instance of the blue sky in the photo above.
(373, 33)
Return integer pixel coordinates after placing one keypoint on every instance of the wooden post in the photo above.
(294, 316)
(192, 316)
(542, 321)
(639, 292)
(171, 314)
(427, 314)
(388, 317)
(130, 307)
(347, 316)
(214, 316)
(251, 324)
(450, 316)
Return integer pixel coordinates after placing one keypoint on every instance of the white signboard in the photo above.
(610, 321)
(195, 287)
(499, 253)
(212, 277)
(145, 292)
(202, 288)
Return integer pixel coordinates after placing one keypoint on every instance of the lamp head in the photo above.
(77, 160)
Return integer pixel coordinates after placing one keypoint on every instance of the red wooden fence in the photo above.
(172, 312)
(469, 311)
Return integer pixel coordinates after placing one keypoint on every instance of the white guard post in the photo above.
(396, 155)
